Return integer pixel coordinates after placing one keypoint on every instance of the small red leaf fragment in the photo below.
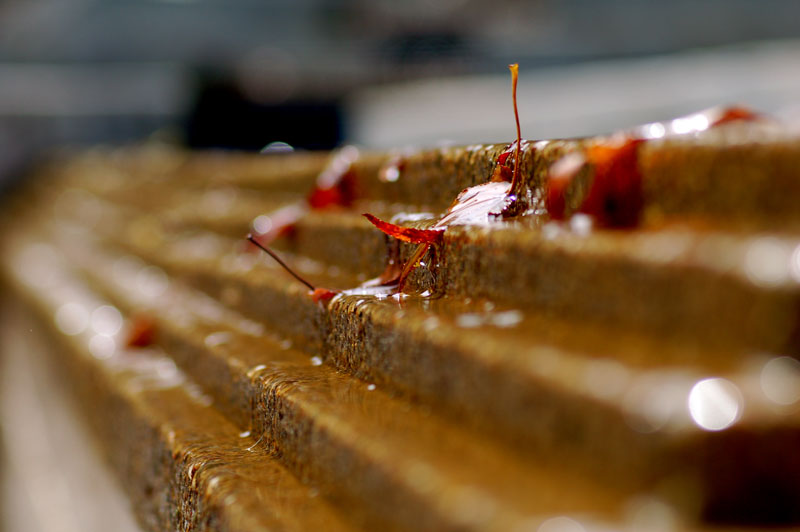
(321, 198)
(731, 114)
(142, 331)
(503, 157)
(406, 234)
(337, 184)
(561, 174)
(322, 294)
(615, 196)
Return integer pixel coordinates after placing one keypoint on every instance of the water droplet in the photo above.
(106, 320)
(550, 230)
(689, 124)
(262, 224)
(469, 320)
(391, 174)
(102, 347)
(430, 323)
(655, 130)
(255, 370)
(768, 261)
(316, 361)
(581, 224)
(218, 338)
(370, 387)
(277, 147)
(509, 318)
(715, 403)
(251, 327)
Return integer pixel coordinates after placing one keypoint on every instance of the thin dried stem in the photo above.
(514, 75)
(275, 256)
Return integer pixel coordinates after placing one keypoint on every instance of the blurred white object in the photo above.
(578, 100)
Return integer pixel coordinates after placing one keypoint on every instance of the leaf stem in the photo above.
(275, 256)
(514, 75)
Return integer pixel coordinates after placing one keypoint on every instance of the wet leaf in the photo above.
(407, 234)
(322, 294)
(612, 193)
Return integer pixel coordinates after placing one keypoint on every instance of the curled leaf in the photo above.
(612, 191)
(407, 234)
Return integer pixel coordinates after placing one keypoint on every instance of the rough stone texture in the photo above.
(530, 370)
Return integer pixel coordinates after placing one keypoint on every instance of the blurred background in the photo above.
(318, 73)
(315, 74)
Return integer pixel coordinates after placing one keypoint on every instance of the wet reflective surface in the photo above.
(533, 374)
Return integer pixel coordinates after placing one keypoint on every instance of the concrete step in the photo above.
(618, 408)
(726, 290)
(724, 287)
(383, 462)
(523, 354)
(182, 463)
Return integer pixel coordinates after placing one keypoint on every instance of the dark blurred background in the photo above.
(318, 73)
